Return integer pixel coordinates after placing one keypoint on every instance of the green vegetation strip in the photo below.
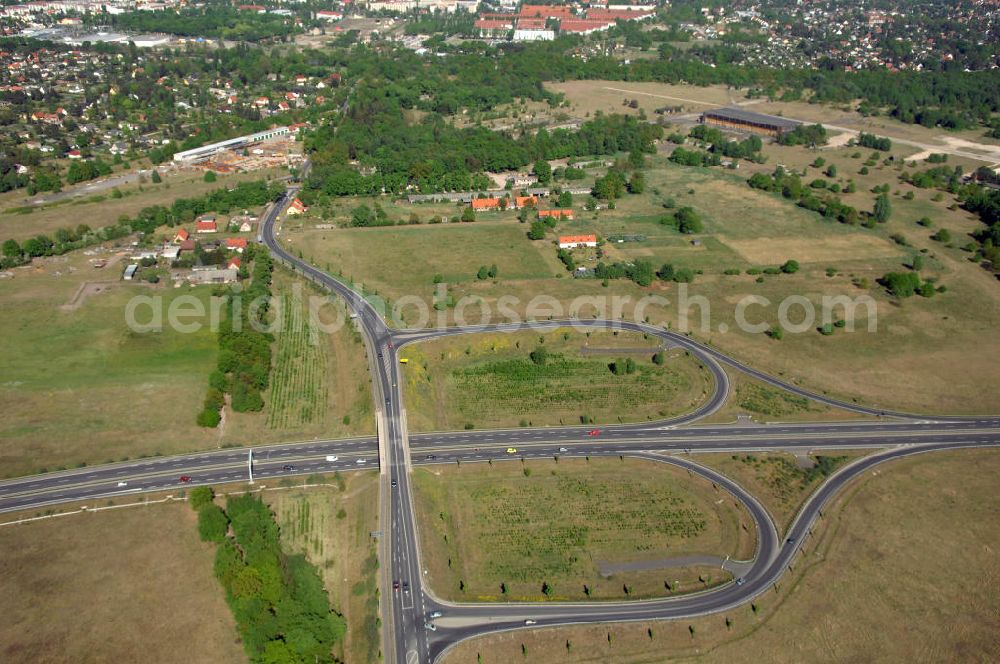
(281, 608)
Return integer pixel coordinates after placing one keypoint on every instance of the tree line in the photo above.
(244, 365)
(281, 608)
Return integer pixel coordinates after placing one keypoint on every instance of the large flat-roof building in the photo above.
(741, 120)
(206, 151)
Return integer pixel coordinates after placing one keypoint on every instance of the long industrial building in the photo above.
(741, 120)
(204, 152)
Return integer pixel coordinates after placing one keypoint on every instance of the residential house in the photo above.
(555, 214)
(573, 241)
(237, 244)
(297, 207)
(486, 204)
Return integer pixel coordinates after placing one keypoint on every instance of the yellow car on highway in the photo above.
(511, 450)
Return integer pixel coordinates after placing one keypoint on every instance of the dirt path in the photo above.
(87, 289)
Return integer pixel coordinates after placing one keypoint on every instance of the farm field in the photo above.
(101, 210)
(861, 585)
(92, 391)
(509, 531)
(330, 523)
(744, 229)
(131, 584)
(489, 380)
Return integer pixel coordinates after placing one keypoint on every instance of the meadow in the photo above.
(540, 530)
(80, 387)
(488, 381)
(888, 555)
(745, 233)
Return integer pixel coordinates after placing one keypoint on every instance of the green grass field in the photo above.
(490, 381)
(80, 387)
(888, 555)
(525, 524)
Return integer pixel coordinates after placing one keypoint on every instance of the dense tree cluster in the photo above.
(435, 156)
(215, 20)
(640, 271)
(749, 148)
(874, 142)
(281, 609)
(81, 171)
(808, 135)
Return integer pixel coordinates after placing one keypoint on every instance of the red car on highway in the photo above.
(185, 478)
(594, 432)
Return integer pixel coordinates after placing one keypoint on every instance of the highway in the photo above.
(394, 451)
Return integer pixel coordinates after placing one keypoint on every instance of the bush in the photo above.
(212, 523)
(790, 267)
(539, 356)
(200, 496)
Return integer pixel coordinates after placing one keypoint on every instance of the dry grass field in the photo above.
(489, 381)
(499, 531)
(123, 585)
(331, 526)
(902, 568)
(586, 98)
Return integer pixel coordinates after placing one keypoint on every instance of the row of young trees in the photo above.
(281, 608)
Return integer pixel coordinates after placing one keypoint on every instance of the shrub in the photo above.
(200, 496)
(212, 523)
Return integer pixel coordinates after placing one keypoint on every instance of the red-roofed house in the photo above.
(555, 214)
(187, 245)
(327, 15)
(297, 207)
(485, 203)
(572, 241)
(237, 244)
(525, 201)
(206, 226)
(181, 236)
(234, 263)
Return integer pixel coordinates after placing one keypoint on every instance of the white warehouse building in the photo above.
(204, 152)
